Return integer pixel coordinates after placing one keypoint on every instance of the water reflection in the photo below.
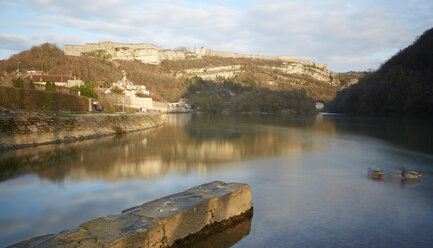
(198, 143)
(416, 134)
(308, 177)
(224, 239)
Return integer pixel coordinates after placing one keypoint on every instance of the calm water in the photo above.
(308, 177)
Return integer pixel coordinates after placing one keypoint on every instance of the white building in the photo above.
(133, 97)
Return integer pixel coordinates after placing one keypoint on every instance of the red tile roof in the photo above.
(51, 78)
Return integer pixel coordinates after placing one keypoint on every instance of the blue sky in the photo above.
(346, 35)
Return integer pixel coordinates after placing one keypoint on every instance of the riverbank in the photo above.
(20, 128)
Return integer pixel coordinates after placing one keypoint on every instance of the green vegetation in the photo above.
(32, 84)
(232, 96)
(402, 85)
(87, 89)
(18, 83)
(117, 90)
(50, 86)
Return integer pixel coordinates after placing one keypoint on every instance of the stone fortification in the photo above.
(201, 51)
(151, 54)
(146, 53)
(166, 222)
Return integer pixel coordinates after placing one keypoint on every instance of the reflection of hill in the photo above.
(204, 144)
(407, 132)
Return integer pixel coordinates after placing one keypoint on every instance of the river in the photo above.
(308, 177)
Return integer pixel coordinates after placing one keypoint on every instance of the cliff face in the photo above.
(286, 70)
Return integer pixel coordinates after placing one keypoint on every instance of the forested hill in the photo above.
(402, 85)
(170, 80)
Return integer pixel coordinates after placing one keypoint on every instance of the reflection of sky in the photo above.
(320, 197)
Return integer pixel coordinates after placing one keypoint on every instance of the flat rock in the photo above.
(158, 223)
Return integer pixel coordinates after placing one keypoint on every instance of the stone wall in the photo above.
(151, 54)
(146, 53)
(19, 128)
(133, 101)
(201, 51)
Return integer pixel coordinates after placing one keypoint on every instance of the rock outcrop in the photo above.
(165, 222)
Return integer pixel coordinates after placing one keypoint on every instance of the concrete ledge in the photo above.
(165, 222)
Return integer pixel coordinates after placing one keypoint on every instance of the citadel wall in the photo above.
(201, 51)
(146, 53)
(151, 54)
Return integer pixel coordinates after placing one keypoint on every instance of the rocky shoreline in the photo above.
(21, 129)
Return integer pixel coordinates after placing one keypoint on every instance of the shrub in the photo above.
(117, 90)
(32, 85)
(50, 86)
(119, 130)
(18, 83)
(141, 94)
(87, 90)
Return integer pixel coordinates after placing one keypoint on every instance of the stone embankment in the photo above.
(20, 129)
(166, 222)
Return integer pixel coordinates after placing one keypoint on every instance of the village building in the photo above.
(135, 96)
(320, 105)
(182, 105)
(59, 80)
(33, 71)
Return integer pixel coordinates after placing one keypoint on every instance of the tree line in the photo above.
(402, 85)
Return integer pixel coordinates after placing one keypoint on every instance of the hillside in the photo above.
(169, 79)
(402, 85)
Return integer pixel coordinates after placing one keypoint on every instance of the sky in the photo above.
(346, 35)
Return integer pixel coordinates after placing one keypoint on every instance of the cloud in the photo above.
(14, 42)
(346, 35)
(321, 34)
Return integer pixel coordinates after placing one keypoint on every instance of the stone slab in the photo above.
(159, 223)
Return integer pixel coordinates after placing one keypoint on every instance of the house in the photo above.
(74, 82)
(60, 80)
(100, 88)
(132, 97)
(33, 71)
(11, 75)
(182, 105)
(320, 105)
